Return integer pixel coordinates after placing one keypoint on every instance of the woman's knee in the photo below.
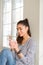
(5, 51)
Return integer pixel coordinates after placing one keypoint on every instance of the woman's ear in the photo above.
(27, 28)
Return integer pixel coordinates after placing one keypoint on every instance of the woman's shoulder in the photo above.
(32, 41)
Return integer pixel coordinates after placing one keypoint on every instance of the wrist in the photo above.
(18, 52)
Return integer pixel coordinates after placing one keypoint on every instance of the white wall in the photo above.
(31, 11)
(0, 24)
(41, 34)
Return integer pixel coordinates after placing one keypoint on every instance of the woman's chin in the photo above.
(21, 36)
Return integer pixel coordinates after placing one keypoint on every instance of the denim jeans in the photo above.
(6, 57)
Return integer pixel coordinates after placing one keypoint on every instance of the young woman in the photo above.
(23, 49)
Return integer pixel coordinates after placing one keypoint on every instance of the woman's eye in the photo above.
(19, 29)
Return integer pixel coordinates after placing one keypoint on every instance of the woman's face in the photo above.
(22, 29)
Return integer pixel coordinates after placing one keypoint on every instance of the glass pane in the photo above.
(16, 15)
(6, 5)
(21, 3)
(21, 17)
(5, 41)
(7, 18)
(7, 29)
(6, 0)
(17, 3)
(14, 30)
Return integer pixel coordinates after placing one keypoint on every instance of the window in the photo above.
(12, 13)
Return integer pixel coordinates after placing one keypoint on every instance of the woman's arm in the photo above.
(29, 57)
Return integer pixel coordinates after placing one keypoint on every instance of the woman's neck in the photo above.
(25, 38)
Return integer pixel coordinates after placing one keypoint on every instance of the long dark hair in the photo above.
(26, 23)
